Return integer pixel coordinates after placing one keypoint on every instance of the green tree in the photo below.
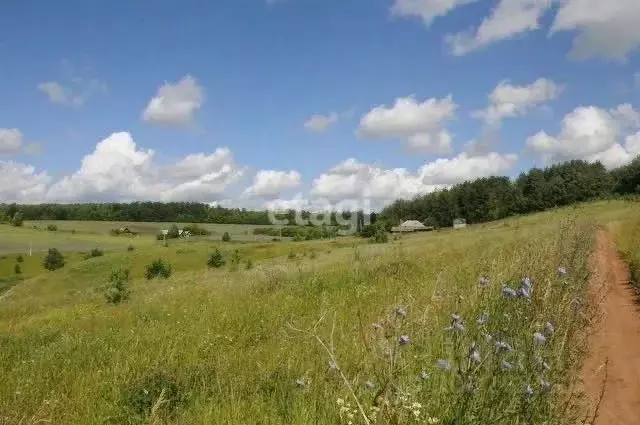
(216, 259)
(17, 219)
(54, 260)
(226, 237)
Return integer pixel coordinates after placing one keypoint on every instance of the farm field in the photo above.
(485, 325)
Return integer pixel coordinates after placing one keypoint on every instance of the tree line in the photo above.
(477, 201)
(493, 198)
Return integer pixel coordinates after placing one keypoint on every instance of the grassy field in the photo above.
(346, 332)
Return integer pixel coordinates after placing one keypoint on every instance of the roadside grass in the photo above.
(238, 347)
(628, 241)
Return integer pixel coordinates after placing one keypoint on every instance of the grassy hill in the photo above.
(320, 332)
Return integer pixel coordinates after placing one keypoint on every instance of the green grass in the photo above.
(228, 346)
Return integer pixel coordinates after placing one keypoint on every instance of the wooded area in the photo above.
(477, 201)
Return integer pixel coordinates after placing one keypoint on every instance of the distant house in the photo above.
(410, 226)
(459, 223)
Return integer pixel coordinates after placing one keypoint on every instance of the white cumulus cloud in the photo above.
(118, 170)
(319, 123)
(606, 29)
(427, 10)
(374, 186)
(11, 140)
(419, 125)
(592, 134)
(508, 100)
(22, 183)
(508, 19)
(175, 104)
(269, 184)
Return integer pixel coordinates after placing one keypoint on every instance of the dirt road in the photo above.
(612, 371)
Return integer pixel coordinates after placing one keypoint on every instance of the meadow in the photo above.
(485, 325)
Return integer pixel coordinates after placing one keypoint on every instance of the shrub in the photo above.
(381, 236)
(131, 248)
(158, 268)
(249, 264)
(196, 230)
(17, 269)
(17, 220)
(174, 232)
(20, 258)
(235, 259)
(313, 255)
(216, 260)
(52, 228)
(142, 395)
(96, 252)
(54, 260)
(118, 289)
(226, 237)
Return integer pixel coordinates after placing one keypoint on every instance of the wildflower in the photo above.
(527, 282)
(333, 365)
(475, 356)
(509, 292)
(401, 311)
(370, 385)
(424, 376)
(340, 402)
(524, 293)
(483, 281)
(549, 328)
(545, 385)
(539, 339)
(506, 366)
(487, 337)
(443, 365)
(404, 339)
(455, 317)
(500, 345)
(528, 392)
(562, 270)
(542, 364)
(432, 421)
(300, 383)
(376, 326)
(483, 319)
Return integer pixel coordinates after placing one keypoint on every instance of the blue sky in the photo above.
(245, 76)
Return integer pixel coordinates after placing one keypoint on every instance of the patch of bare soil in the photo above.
(611, 373)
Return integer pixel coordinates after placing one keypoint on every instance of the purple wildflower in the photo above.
(545, 385)
(483, 281)
(443, 364)
(500, 345)
(484, 318)
(549, 328)
(370, 385)
(300, 383)
(509, 292)
(475, 356)
(424, 376)
(401, 311)
(506, 366)
(404, 340)
(539, 339)
(528, 392)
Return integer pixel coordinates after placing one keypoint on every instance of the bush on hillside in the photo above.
(96, 252)
(17, 269)
(118, 290)
(235, 259)
(196, 230)
(20, 258)
(131, 248)
(17, 220)
(216, 260)
(54, 260)
(52, 228)
(226, 237)
(141, 396)
(249, 265)
(158, 268)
